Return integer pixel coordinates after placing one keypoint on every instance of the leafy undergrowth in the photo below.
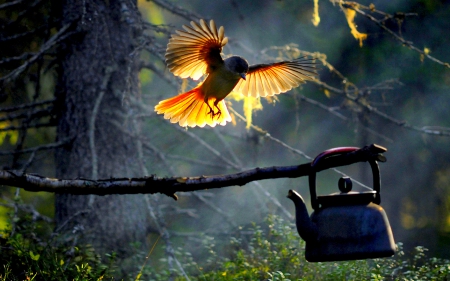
(272, 251)
(28, 253)
(277, 253)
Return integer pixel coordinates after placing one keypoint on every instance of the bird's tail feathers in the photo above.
(190, 109)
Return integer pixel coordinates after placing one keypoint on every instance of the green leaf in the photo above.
(34, 257)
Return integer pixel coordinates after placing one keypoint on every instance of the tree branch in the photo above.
(354, 6)
(170, 185)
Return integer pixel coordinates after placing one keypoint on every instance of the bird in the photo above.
(196, 51)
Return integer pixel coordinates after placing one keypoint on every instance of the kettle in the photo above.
(344, 226)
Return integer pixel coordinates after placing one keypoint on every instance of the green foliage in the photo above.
(275, 252)
(270, 252)
(24, 256)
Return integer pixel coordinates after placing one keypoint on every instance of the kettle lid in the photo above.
(350, 198)
(346, 196)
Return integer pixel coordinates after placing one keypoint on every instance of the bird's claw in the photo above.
(214, 114)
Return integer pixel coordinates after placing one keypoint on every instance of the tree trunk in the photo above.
(99, 66)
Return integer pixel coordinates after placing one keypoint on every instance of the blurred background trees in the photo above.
(71, 107)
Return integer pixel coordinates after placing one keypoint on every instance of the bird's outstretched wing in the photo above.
(192, 52)
(270, 79)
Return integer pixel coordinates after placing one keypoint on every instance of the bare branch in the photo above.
(36, 216)
(108, 71)
(9, 4)
(60, 35)
(171, 185)
(207, 146)
(195, 161)
(333, 110)
(28, 126)
(267, 135)
(31, 7)
(273, 200)
(430, 130)
(158, 72)
(31, 114)
(160, 28)
(215, 208)
(27, 105)
(21, 57)
(177, 10)
(37, 148)
(23, 34)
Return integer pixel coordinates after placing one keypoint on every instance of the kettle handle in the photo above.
(338, 151)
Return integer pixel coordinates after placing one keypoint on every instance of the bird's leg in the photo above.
(211, 110)
(218, 109)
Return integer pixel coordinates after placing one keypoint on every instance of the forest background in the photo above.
(384, 78)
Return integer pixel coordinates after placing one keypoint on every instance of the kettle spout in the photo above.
(305, 227)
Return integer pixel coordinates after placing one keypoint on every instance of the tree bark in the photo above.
(98, 72)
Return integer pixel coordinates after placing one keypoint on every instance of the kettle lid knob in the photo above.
(345, 184)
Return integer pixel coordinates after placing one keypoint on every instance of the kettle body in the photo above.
(350, 232)
(344, 226)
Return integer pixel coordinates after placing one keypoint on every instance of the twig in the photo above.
(21, 57)
(61, 226)
(207, 146)
(227, 146)
(23, 34)
(160, 28)
(28, 163)
(37, 148)
(257, 184)
(382, 114)
(177, 10)
(333, 111)
(155, 70)
(21, 14)
(147, 144)
(108, 71)
(28, 126)
(267, 135)
(32, 114)
(161, 156)
(16, 211)
(162, 229)
(273, 200)
(196, 161)
(36, 216)
(27, 106)
(9, 4)
(442, 131)
(285, 145)
(215, 208)
(60, 35)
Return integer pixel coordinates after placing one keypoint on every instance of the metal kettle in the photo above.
(344, 226)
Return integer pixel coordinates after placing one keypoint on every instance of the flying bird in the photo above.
(197, 51)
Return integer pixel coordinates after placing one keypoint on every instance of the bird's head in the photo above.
(237, 65)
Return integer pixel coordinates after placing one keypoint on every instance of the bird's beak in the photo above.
(242, 75)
